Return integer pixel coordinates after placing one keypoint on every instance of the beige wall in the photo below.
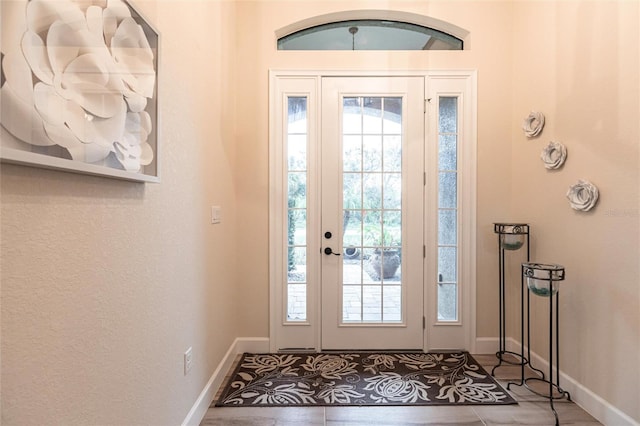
(583, 72)
(106, 283)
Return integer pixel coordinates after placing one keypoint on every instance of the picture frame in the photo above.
(79, 88)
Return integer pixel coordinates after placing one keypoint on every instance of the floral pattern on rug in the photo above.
(361, 379)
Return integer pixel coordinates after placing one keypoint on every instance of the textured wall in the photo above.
(106, 283)
(583, 72)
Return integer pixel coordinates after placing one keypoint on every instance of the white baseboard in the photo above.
(592, 403)
(486, 345)
(239, 346)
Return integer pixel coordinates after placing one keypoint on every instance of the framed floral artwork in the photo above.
(79, 88)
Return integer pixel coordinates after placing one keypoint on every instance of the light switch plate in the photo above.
(216, 214)
(188, 360)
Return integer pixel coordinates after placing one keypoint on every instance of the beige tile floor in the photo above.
(531, 410)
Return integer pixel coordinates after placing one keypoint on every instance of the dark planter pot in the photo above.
(385, 264)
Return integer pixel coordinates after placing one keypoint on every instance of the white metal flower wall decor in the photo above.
(79, 82)
(583, 195)
(533, 124)
(554, 155)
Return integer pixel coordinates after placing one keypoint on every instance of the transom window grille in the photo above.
(370, 34)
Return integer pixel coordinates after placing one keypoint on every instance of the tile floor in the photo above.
(531, 410)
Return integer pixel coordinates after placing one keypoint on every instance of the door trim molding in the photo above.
(468, 197)
(304, 85)
(463, 84)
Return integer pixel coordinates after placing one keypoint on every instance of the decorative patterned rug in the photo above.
(361, 378)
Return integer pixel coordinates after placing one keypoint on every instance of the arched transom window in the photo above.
(369, 34)
(372, 30)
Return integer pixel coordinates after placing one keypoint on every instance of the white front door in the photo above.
(365, 172)
(372, 180)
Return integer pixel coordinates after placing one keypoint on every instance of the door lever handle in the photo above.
(328, 250)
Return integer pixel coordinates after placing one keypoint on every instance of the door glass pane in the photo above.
(296, 147)
(372, 227)
(352, 116)
(372, 303)
(392, 147)
(391, 302)
(447, 264)
(352, 146)
(352, 229)
(447, 278)
(372, 116)
(447, 152)
(447, 190)
(392, 226)
(447, 226)
(371, 152)
(296, 302)
(297, 189)
(372, 210)
(352, 189)
(447, 302)
(372, 190)
(299, 218)
(351, 303)
(447, 115)
(392, 187)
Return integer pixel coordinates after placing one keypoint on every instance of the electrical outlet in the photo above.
(188, 360)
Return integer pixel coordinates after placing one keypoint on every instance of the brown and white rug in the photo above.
(361, 378)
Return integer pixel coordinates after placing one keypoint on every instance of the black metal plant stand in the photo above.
(542, 281)
(512, 237)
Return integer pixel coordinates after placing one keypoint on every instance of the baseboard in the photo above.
(602, 410)
(252, 345)
(486, 345)
(202, 404)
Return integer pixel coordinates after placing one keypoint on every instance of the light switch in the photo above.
(216, 214)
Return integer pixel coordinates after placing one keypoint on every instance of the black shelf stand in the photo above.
(512, 237)
(541, 279)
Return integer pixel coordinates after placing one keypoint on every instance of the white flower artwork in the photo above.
(79, 83)
(554, 155)
(533, 124)
(583, 195)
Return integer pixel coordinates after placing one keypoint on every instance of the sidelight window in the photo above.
(447, 209)
(296, 137)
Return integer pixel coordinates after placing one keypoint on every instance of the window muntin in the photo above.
(369, 34)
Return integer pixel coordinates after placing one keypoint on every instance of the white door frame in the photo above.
(307, 83)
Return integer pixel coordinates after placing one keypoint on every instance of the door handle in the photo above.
(328, 250)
